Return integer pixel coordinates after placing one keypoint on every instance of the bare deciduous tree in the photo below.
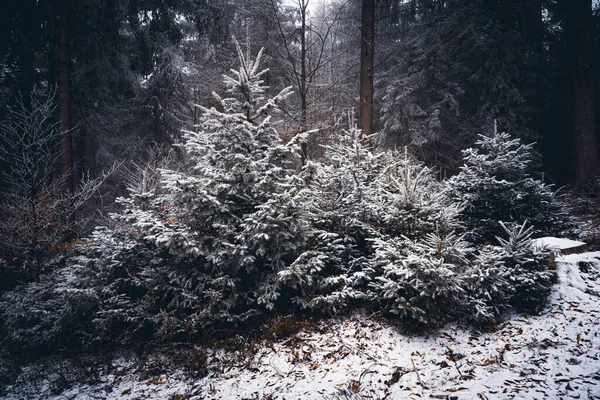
(36, 213)
(306, 50)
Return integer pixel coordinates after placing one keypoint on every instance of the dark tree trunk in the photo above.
(64, 95)
(534, 34)
(303, 79)
(366, 66)
(65, 167)
(585, 141)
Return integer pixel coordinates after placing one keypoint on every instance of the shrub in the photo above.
(496, 186)
(422, 282)
(515, 274)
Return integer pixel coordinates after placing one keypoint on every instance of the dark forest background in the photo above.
(142, 199)
(115, 81)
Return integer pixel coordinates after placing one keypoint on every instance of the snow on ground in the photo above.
(555, 355)
(558, 243)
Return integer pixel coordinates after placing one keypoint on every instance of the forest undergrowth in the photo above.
(241, 243)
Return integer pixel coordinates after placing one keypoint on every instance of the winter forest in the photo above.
(299, 199)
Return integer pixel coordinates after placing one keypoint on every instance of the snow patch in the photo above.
(557, 243)
(553, 355)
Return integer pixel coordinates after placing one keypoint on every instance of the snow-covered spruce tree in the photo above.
(340, 200)
(414, 202)
(355, 199)
(528, 265)
(488, 285)
(496, 185)
(119, 288)
(237, 198)
(416, 271)
(515, 274)
(215, 233)
(138, 283)
(39, 318)
(422, 280)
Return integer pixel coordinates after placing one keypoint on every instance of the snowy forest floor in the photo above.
(555, 354)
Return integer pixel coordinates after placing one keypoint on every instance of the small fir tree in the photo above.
(211, 236)
(415, 203)
(421, 281)
(515, 274)
(236, 200)
(340, 204)
(356, 202)
(488, 286)
(528, 266)
(496, 185)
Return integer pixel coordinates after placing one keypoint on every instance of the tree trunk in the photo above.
(534, 34)
(587, 159)
(65, 167)
(303, 79)
(64, 95)
(366, 67)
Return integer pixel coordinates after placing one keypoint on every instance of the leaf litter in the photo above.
(553, 355)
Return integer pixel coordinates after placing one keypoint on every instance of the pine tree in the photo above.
(488, 286)
(340, 200)
(358, 202)
(236, 199)
(202, 244)
(496, 185)
(415, 203)
(528, 265)
(421, 281)
(515, 274)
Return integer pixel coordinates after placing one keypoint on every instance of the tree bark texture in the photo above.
(303, 78)
(366, 66)
(64, 94)
(65, 167)
(585, 140)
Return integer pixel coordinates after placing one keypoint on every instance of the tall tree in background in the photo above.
(305, 45)
(579, 32)
(447, 69)
(420, 78)
(64, 94)
(64, 108)
(444, 70)
(138, 67)
(126, 74)
(366, 66)
(301, 74)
